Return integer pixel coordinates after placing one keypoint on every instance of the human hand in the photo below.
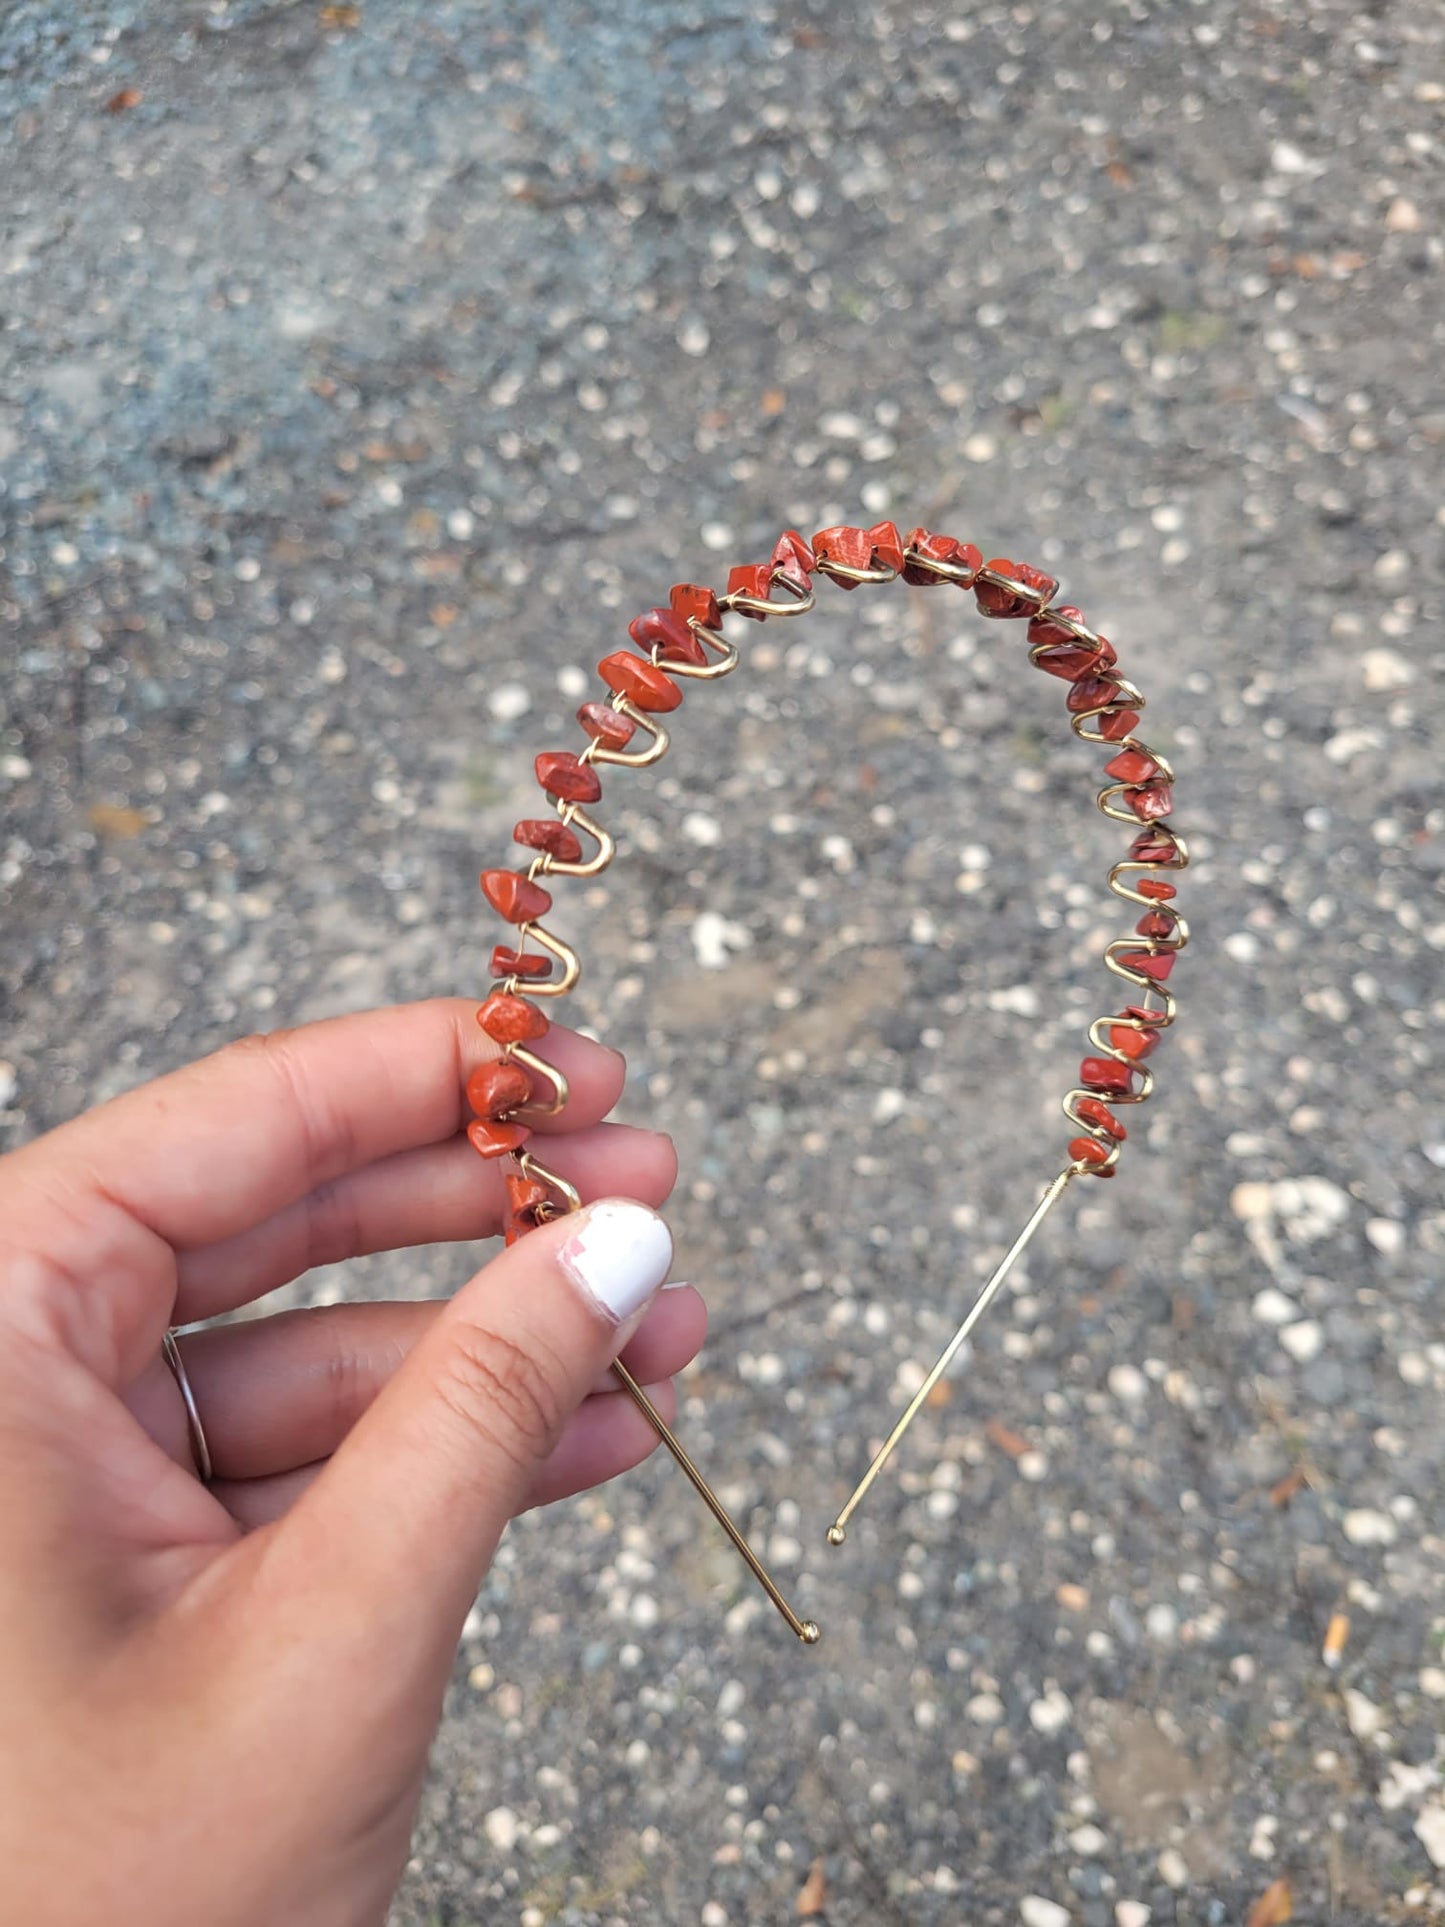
(217, 1701)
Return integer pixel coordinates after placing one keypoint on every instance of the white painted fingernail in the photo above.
(618, 1256)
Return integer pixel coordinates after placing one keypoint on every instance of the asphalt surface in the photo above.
(363, 370)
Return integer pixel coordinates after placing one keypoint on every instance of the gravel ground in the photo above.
(363, 370)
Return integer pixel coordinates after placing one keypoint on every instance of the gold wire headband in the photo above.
(685, 641)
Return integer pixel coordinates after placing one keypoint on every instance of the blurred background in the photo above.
(364, 369)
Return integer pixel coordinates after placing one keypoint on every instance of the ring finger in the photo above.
(277, 1393)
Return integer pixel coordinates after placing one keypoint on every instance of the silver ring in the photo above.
(200, 1451)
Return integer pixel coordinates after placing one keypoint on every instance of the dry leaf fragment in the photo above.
(117, 820)
(1336, 1633)
(1294, 1481)
(1014, 1443)
(940, 1395)
(774, 401)
(342, 19)
(122, 102)
(1274, 1906)
(813, 1896)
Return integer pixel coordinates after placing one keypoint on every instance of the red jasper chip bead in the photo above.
(524, 1194)
(1095, 1112)
(1154, 800)
(1090, 692)
(994, 599)
(754, 579)
(1131, 766)
(608, 725)
(562, 775)
(849, 547)
(1155, 965)
(886, 545)
(1157, 888)
(1106, 1074)
(546, 833)
(1155, 846)
(1118, 724)
(1088, 1150)
(518, 1225)
(642, 683)
(692, 602)
(494, 1139)
(946, 549)
(514, 896)
(668, 633)
(519, 963)
(499, 1087)
(795, 558)
(511, 1020)
(1156, 923)
(1135, 1044)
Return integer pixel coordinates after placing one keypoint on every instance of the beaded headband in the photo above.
(685, 641)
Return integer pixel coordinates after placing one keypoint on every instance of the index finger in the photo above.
(201, 1154)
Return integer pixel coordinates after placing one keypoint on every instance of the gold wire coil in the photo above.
(561, 1091)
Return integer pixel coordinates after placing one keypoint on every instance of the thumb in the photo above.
(407, 1515)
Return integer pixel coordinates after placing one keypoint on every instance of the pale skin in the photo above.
(216, 1702)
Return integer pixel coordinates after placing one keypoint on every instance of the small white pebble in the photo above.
(1132, 1913)
(985, 1709)
(1384, 669)
(460, 524)
(1386, 1236)
(1364, 1717)
(693, 337)
(1051, 1713)
(508, 701)
(1271, 1307)
(1430, 1831)
(702, 829)
(1363, 1527)
(1034, 1911)
(1161, 1623)
(980, 448)
(1128, 1384)
(500, 1827)
(1034, 1467)
(1302, 1341)
(714, 1915)
(1089, 1841)
(1432, 1682)
(1241, 947)
(1173, 1868)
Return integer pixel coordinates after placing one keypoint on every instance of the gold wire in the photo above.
(945, 571)
(560, 1089)
(633, 758)
(838, 1531)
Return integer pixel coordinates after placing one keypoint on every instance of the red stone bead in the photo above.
(1154, 801)
(1050, 630)
(546, 833)
(689, 599)
(1131, 766)
(1154, 846)
(886, 547)
(666, 632)
(494, 1139)
(1090, 692)
(1068, 661)
(611, 728)
(512, 963)
(561, 774)
(511, 1020)
(514, 896)
(1094, 1112)
(1149, 963)
(795, 558)
(1118, 724)
(995, 600)
(524, 1194)
(1156, 923)
(643, 683)
(1157, 888)
(1105, 1074)
(518, 1225)
(499, 1087)
(848, 547)
(1088, 1150)
(940, 548)
(753, 579)
(1135, 1044)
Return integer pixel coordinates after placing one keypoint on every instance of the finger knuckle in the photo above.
(506, 1394)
